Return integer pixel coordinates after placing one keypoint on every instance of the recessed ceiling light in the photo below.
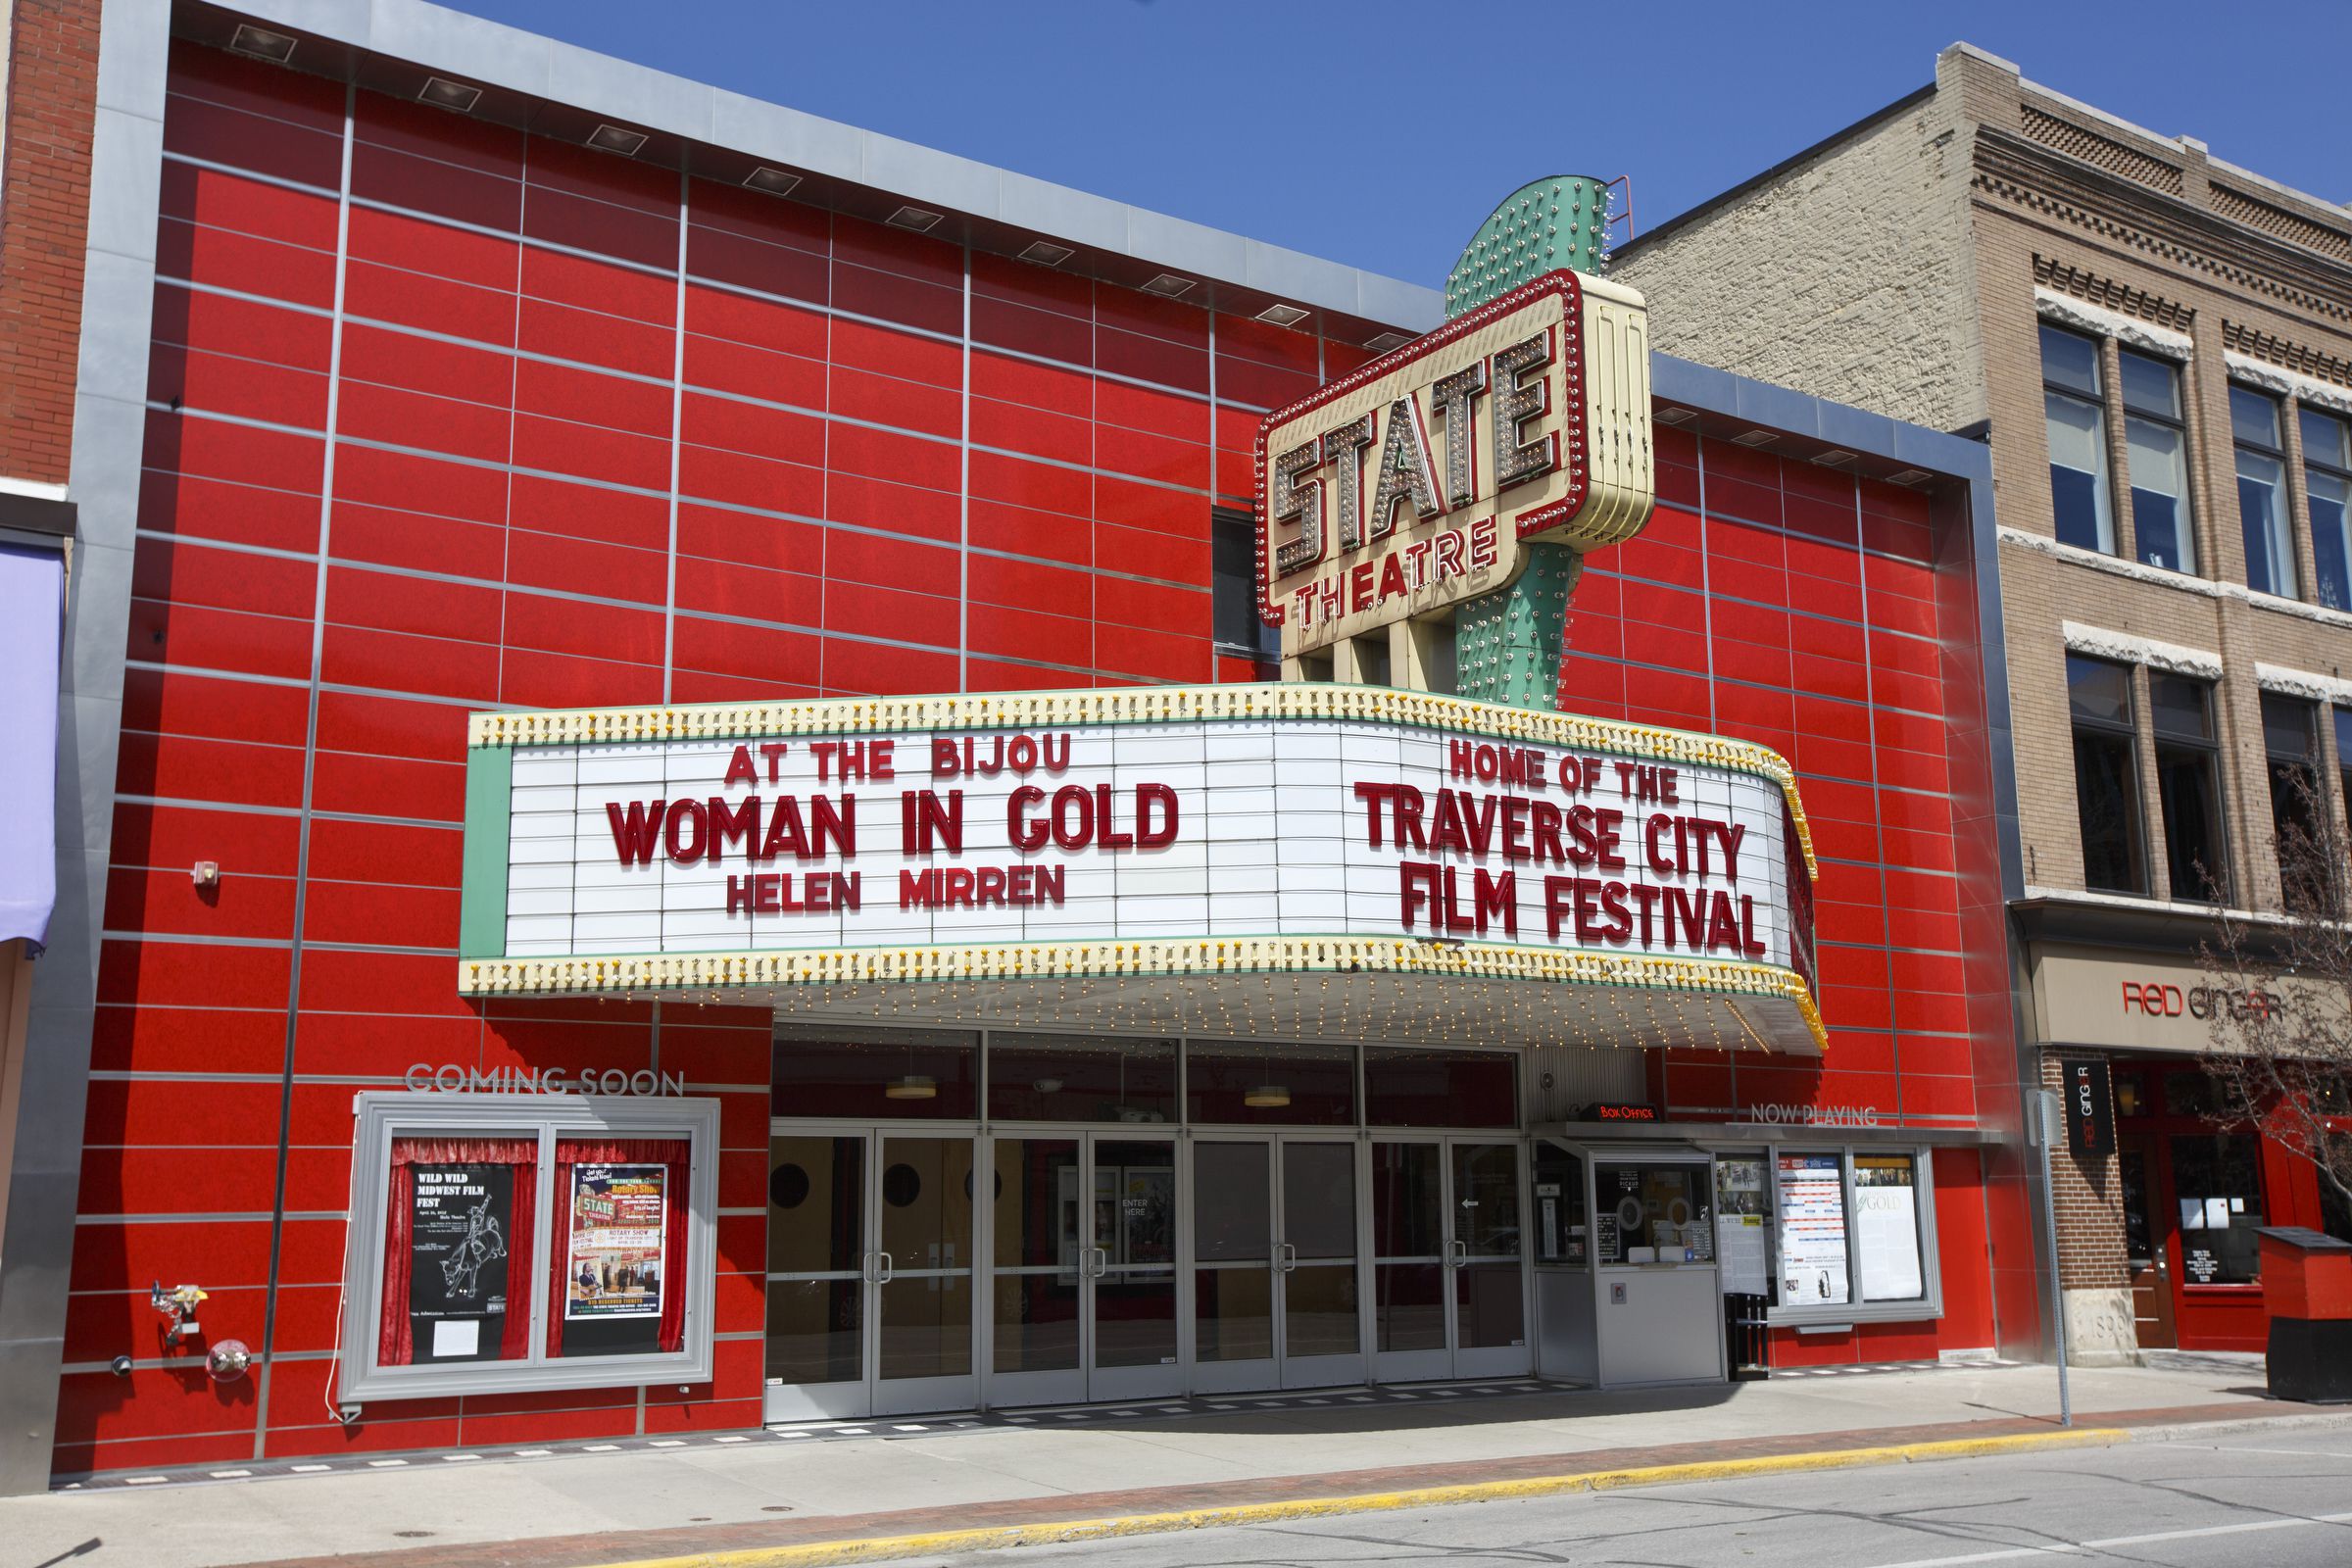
(1045, 252)
(1675, 417)
(1753, 438)
(262, 43)
(1909, 477)
(616, 139)
(1167, 285)
(1387, 341)
(1283, 315)
(775, 181)
(447, 94)
(1833, 458)
(918, 219)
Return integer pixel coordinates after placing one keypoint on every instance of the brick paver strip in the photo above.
(614, 1546)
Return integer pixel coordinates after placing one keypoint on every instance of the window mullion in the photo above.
(2119, 456)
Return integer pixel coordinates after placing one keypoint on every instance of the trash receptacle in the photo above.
(2307, 1293)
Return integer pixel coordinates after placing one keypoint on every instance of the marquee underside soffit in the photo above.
(1407, 1008)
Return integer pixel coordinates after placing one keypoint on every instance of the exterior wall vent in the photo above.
(1909, 477)
(918, 219)
(616, 139)
(775, 181)
(1387, 341)
(1283, 315)
(1167, 285)
(1753, 438)
(1045, 252)
(443, 93)
(262, 43)
(1833, 459)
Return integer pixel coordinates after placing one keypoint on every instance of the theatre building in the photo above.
(746, 775)
(2157, 346)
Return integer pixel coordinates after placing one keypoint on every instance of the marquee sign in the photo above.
(1413, 483)
(1109, 832)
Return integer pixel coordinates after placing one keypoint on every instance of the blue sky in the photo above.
(1374, 133)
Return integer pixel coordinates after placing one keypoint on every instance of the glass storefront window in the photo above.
(1653, 1212)
(1405, 1086)
(1273, 1085)
(2216, 1181)
(1041, 1077)
(875, 1074)
(1561, 1236)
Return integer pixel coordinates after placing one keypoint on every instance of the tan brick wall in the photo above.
(1846, 276)
(44, 213)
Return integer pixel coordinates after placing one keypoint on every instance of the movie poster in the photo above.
(457, 1221)
(1813, 1231)
(619, 1216)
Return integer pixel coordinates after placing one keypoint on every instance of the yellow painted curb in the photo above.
(825, 1553)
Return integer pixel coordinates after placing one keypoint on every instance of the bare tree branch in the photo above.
(2278, 995)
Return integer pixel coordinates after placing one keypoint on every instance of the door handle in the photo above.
(888, 1268)
(1285, 1258)
(1460, 1252)
(1094, 1263)
(865, 1267)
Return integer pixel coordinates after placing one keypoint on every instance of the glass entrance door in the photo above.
(1448, 1270)
(869, 1288)
(1274, 1264)
(1083, 1282)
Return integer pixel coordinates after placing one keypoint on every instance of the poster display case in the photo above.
(511, 1242)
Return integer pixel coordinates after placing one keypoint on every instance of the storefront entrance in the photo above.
(1447, 1288)
(1083, 1276)
(870, 1286)
(961, 1220)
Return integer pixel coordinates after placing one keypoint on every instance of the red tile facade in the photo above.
(469, 438)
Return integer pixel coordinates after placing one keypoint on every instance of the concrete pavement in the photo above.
(588, 1509)
(2281, 1496)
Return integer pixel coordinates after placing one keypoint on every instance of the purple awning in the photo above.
(32, 603)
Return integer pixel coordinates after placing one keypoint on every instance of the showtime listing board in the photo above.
(1282, 826)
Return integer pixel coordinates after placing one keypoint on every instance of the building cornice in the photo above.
(2173, 229)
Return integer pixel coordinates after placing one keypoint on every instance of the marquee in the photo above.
(1179, 858)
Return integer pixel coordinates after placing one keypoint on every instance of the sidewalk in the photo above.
(569, 1510)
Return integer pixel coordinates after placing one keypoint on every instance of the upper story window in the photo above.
(2074, 403)
(2156, 442)
(2343, 761)
(1234, 621)
(2261, 492)
(2327, 487)
(2290, 741)
(2189, 786)
(2106, 774)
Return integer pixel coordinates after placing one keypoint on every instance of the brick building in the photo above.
(2157, 346)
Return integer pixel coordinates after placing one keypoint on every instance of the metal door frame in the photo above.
(871, 1394)
(1455, 1359)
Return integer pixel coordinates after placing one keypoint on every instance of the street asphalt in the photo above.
(2281, 1498)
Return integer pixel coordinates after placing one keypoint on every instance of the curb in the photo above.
(878, 1548)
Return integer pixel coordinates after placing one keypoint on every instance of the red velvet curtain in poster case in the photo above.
(671, 1154)
(395, 1337)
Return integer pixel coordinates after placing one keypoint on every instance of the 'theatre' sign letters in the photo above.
(1410, 485)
